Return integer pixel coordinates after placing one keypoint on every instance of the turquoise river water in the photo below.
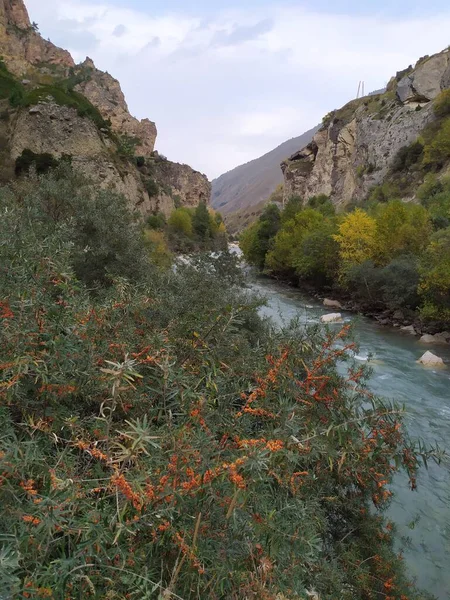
(423, 516)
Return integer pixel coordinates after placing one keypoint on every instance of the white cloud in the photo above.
(226, 90)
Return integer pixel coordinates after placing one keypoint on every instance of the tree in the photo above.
(201, 222)
(249, 243)
(435, 277)
(158, 249)
(180, 221)
(356, 238)
(287, 245)
(317, 260)
(400, 229)
(257, 240)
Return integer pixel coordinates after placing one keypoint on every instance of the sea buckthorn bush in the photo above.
(158, 439)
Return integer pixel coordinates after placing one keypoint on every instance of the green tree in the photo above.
(180, 221)
(318, 260)
(201, 222)
(287, 245)
(435, 277)
(401, 228)
(257, 240)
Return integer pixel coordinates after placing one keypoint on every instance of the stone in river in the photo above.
(332, 303)
(431, 360)
(332, 318)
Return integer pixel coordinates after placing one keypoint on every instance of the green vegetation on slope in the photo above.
(159, 440)
(61, 92)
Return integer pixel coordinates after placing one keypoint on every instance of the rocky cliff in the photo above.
(49, 105)
(358, 146)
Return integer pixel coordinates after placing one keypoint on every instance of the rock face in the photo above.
(106, 94)
(21, 46)
(430, 77)
(431, 360)
(57, 128)
(355, 148)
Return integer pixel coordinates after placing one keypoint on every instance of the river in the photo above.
(423, 516)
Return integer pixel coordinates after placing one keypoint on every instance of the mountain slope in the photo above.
(52, 108)
(253, 182)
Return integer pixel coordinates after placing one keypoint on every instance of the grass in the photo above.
(66, 98)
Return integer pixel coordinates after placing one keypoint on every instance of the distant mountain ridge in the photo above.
(253, 182)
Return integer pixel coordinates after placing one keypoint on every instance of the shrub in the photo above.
(192, 444)
(157, 221)
(9, 86)
(127, 144)
(407, 157)
(158, 248)
(104, 238)
(42, 162)
(151, 187)
(441, 104)
(437, 151)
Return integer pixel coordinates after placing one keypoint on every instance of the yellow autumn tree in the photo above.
(356, 238)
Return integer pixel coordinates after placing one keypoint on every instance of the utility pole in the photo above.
(361, 90)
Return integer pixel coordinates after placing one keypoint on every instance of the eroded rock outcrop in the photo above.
(106, 94)
(21, 46)
(355, 149)
(93, 141)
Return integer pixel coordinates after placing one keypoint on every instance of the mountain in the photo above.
(253, 182)
(51, 108)
(380, 146)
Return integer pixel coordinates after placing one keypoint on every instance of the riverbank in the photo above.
(406, 319)
(422, 517)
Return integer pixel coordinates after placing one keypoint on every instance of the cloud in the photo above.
(239, 35)
(229, 86)
(120, 30)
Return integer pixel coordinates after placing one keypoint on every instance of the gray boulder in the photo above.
(438, 338)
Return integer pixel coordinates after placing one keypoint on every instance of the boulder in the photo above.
(439, 338)
(426, 81)
(409, 329)
(443, 337)
(431, 360)
(331, 318)
(332, 303)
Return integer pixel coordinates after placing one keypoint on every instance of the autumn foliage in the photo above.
(159, 440)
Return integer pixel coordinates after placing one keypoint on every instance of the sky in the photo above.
(226, 80)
